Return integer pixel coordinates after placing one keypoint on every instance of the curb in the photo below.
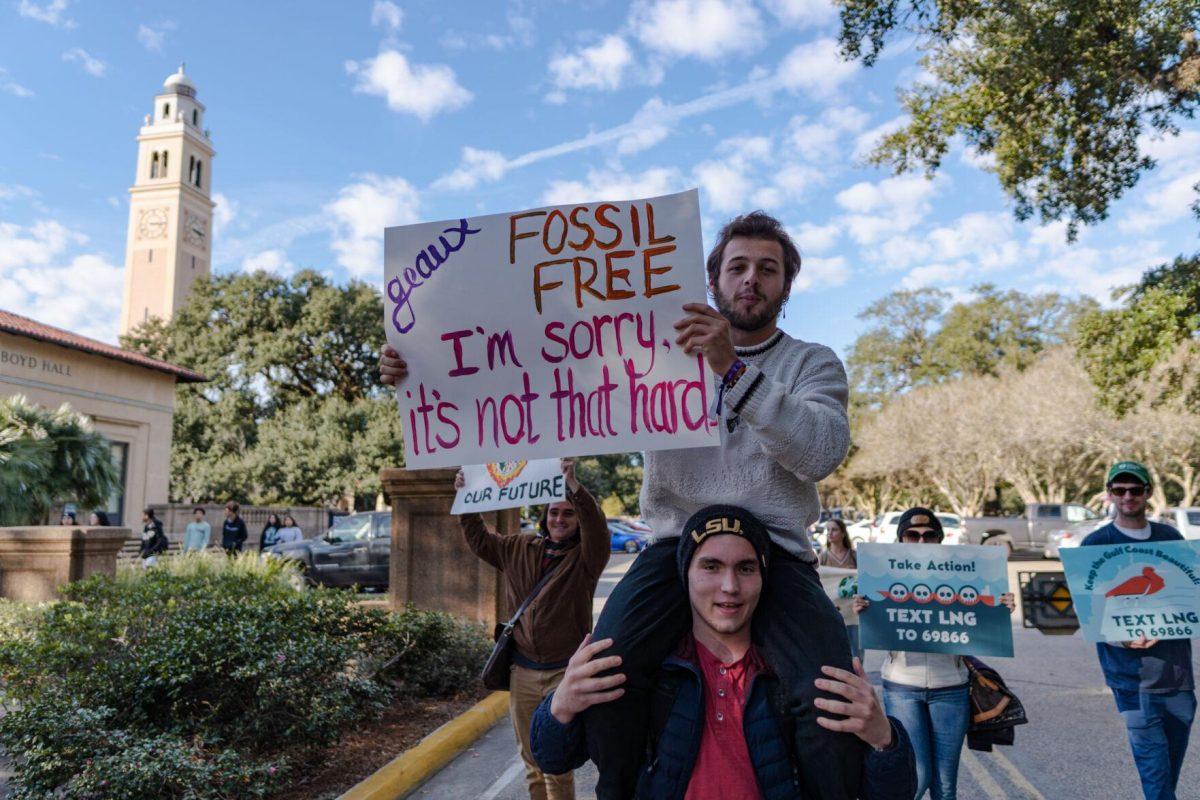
(414, 766)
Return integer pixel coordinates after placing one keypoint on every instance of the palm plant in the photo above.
(49, 456)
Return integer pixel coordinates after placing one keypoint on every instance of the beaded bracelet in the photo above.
(736, 370)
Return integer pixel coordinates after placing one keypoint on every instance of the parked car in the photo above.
(1184, 520)
(860, 531)
(627, 540)
(354, 552)
(1030, 532)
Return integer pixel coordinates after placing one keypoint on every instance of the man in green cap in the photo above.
(1151, 680)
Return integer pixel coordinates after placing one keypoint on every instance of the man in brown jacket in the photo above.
(574, 541)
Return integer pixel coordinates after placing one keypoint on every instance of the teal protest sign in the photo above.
(1123, 591)
(935, 599)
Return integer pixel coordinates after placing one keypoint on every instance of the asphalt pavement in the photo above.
(1073, 747)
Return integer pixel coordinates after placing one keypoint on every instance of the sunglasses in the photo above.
(1132, 491)
(924, 536)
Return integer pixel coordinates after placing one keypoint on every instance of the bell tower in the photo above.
(169, 241)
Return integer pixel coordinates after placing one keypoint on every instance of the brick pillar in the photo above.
(431, 565)
(35, 561)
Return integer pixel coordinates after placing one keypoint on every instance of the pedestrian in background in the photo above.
(290, 532)
(1151, 680)
(198, 532)
(270, 532)
(233, 531)
(68, 518)
(98, 519)
(839, 554)
(565, 558)
(929, 692)
(154, 541)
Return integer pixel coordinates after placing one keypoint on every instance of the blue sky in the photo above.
(333, 120)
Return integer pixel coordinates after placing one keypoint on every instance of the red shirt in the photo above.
(723, 768)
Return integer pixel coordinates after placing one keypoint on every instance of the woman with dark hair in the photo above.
(154, 541)
(270, 532)
(68, 518)
(290, 532)
(929, 692)
(98, 519)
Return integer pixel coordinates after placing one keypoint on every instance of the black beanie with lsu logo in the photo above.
(721, 521)
(919, 517)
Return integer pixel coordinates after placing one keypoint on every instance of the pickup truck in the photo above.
(1029, 533)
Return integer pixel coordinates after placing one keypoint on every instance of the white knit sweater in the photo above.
(789, 430)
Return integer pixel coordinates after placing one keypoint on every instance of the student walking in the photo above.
(198, 532)
(153, 539)
(270, 532)
(929, 692)
(290, 531)
(233, 531)
(1151, 680)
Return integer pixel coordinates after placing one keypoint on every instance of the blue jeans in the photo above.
(1158, 727)
(936, 721)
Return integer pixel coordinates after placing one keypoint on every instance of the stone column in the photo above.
(35, 561)
(431, 565)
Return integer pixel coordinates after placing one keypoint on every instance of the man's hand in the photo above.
(864, 716)
(861, 604)
(580, 689)
(705, 331)
(460, 480)
(568, 471)
(392, 368)
(1141, 643)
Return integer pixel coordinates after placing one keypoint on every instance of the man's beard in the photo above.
(749, 322)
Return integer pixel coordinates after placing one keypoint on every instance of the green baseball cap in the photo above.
(1129, 468)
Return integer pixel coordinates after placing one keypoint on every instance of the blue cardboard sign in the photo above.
(935, 599)
(1122, 591)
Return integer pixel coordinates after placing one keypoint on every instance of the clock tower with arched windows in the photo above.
(169, 243)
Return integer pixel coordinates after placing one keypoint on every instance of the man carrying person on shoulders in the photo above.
(716, 731)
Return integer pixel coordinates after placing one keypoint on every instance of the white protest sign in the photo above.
(545, 332)
(510, 484)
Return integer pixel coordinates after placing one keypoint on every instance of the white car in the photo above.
(884, 527)
(1184, 520)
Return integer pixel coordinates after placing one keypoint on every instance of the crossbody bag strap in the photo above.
(537, 587)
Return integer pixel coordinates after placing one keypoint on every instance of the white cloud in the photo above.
(223, 213)
(360, 213)
(152, 37)
(423, 90)
(91, 65)
(50, 13)
(648, 127)
(815, 239)
(521, 33)
(881, 209)
(816, 68)
(819, 273)
(974, 158)
(33, 274)
(706, 29)
(802, 13)
(727, 182)
(14, 191)
(612, 185)
(476, 167)
(818, 140)
(1097, 272)
(273, 261)
(387, 15)
(34, 245)
(601, 66)
(867, 141)
(7, 84)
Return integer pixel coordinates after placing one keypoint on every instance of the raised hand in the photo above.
(568, 471)
(705, 331)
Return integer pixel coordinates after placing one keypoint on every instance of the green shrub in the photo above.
(204, 678)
